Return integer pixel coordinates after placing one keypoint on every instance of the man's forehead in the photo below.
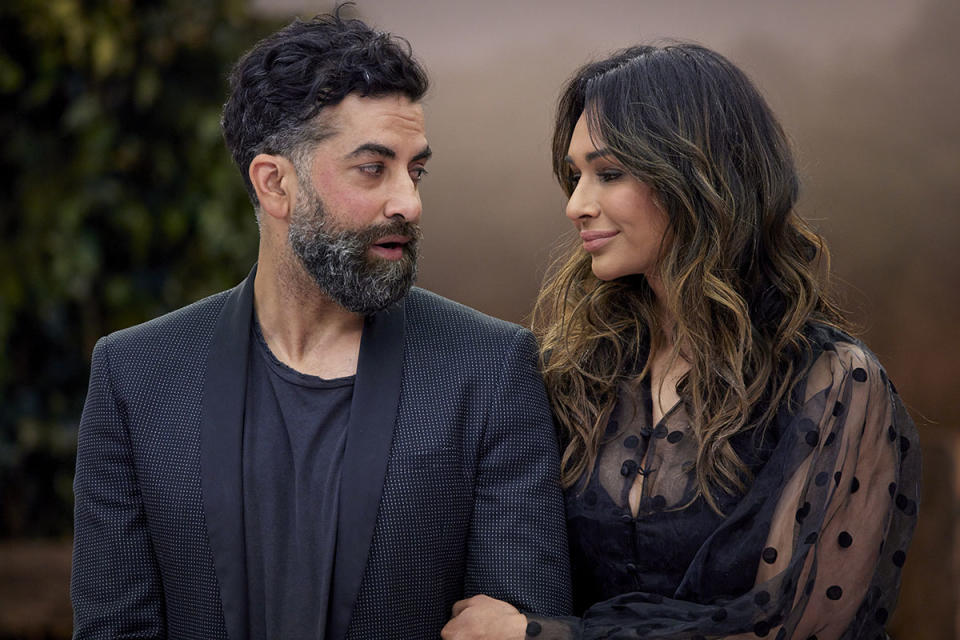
(356, 114)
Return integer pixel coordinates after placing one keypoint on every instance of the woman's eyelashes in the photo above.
(607, 175)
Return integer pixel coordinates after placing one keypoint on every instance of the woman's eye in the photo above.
(574, 179)
(418, 173)
(609, 176)
(371, 169)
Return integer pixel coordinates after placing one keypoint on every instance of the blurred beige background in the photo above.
(868, 91)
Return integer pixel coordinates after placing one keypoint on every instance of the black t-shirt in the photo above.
(295, 429)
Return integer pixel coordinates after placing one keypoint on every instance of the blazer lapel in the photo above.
(221, 444)
(373, 411)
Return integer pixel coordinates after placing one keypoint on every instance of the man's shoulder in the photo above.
(185, 323)
(432, 311)
(447, 343)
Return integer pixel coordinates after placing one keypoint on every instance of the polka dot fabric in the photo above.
(468, 502)
(813, 549)
(142, 566)
(471, 501)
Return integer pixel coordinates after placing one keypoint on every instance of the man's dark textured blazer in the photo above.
(449, 483)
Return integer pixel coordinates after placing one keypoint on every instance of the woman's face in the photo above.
(620, 221)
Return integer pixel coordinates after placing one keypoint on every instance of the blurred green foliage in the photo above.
(118, 203)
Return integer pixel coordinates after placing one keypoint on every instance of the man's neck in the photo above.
(304, 329)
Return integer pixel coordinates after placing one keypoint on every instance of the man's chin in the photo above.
(370, 293)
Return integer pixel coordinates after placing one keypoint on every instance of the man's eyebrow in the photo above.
(374, 148)
(423, 155)
(385, 151)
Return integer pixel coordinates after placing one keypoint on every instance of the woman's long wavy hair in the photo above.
(742, 273)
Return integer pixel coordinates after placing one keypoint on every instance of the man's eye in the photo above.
(371, 169)
(418, 173)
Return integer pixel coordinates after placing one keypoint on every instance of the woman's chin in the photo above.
(605, 273)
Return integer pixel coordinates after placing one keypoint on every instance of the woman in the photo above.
(735, 465)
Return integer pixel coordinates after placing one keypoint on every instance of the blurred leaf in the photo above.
(147, 87)
(82, 113)
(105, 48)
(11, 75)
(119, 203)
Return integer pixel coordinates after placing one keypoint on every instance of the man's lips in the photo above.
(390, 247)
(392, 240)
(593, 240)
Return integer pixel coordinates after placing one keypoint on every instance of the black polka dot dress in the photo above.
(812, 550)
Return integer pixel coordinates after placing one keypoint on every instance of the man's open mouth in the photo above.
(392, 242)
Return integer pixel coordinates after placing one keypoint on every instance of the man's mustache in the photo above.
(410, 230)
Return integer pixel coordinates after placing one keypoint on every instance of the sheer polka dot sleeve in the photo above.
(819, 538)
(840, 530)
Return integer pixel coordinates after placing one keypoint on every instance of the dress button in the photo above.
(626, 518)
(632, 568)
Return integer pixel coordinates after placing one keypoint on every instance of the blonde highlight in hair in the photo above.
(743, 274)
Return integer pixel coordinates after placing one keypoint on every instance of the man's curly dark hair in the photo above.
(279, 87)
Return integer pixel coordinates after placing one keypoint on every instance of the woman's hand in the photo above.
(485, 618)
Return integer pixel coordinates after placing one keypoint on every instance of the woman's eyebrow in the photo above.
(590, 157)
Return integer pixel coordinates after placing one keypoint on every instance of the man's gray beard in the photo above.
(340, 263)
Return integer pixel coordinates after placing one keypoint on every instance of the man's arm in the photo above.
(517, 549)
(115, 586)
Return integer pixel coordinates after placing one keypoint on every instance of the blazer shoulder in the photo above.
(439, 314)
(443, 335)
(178, 336)
(191, 317)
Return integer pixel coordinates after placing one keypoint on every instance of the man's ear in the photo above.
(274, 179)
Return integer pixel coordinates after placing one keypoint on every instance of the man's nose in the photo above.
(405, 201)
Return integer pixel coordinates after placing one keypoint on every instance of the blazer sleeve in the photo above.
(115, 585)
(517, 547)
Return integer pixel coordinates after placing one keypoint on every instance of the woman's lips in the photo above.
(594, 240)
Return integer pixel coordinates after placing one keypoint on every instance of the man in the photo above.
(321, 451)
